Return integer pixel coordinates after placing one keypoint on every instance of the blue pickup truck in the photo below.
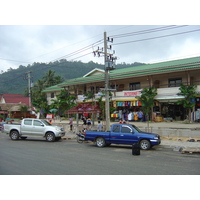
(123, 134)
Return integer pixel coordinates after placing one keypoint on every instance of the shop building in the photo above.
(128, 83)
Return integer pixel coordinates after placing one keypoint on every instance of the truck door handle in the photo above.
(121, 135)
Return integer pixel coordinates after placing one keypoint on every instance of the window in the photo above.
(52, 95)
(126, 129)
(27, 122)
(114, 86)
(156, 84)
(116, 128)
(174, 82)
(37, 123)
(134, 86)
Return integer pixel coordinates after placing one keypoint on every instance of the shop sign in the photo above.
(49, 116)
(135, 93)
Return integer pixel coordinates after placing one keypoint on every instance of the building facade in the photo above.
(167, 77)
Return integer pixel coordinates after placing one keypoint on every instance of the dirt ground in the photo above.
(183, 139)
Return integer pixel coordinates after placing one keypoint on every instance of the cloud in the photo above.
(45, 43)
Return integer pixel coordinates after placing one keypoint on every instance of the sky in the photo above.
(26, 44)
(46, 38)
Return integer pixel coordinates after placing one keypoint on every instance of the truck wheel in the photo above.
(50, 137)
(100, 142)
(145, 145)
(14, 135)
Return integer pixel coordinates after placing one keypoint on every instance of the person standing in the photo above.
(71, 123)
(2, 125)
(99, 126)
(84, 123)
(89, 123)
(140, 116)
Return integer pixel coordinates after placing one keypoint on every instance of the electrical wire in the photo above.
(148, 31)
(82, 55)
(80, 50)
(14, 60)
(63, 47)
(162, 36)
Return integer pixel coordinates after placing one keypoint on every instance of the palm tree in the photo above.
(50, 79)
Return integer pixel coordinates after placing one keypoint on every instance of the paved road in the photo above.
(31, 157)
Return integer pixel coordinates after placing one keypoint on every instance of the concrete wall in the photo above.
(173, 132)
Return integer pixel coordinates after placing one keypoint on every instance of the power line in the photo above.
(157, 37)
(80, 50)
(14, 60)
(64, 47)
(82, 55)
(148, 31)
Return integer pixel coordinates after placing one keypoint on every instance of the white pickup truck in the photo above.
(34, 127)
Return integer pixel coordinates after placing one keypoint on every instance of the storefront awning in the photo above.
(168, 98)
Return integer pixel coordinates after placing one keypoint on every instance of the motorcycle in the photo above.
(80, 137)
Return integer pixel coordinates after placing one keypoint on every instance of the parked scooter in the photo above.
(80, 137)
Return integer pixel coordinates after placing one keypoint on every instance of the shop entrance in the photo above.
(174, 111)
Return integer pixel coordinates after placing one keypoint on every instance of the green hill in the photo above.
(14, 80)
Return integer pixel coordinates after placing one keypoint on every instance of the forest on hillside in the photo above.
(14, 81)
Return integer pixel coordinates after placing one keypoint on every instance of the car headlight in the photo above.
(155, 138)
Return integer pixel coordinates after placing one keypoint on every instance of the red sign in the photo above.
(136, 93)
(49, 116)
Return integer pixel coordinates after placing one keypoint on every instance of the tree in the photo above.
(50, 79)
(63, 102)
(88, 96)
(147, 100)
(189, 92)
(24, 110)
(39, 99)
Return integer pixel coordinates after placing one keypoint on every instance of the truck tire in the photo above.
(100, 142)
(50, 137)
(14, 135)
(145, 144)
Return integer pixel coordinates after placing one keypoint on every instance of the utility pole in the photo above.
(28, 76)
(109, 61)
(107, 104)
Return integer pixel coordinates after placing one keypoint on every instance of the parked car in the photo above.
(124, 134)
(34, 127)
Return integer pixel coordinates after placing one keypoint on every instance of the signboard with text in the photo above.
(133, 93)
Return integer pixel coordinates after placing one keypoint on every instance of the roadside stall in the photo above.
(85, 109)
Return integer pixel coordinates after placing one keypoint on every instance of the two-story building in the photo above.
(128, 82)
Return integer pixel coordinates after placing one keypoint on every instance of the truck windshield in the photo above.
(135, 127)
(46, 122)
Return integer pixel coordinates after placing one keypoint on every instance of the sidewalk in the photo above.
(174, 124)
(167, 141)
